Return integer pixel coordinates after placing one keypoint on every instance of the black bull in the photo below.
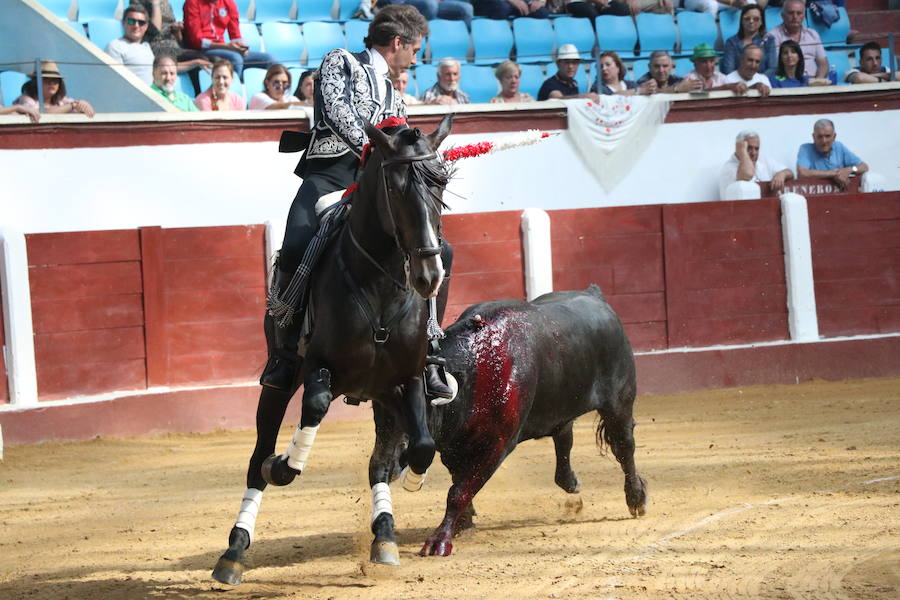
(526, 370)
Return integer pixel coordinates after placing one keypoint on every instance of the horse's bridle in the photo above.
(423, 251)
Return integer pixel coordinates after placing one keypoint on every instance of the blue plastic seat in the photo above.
(885, 58)
(571, 30)
(11, 83)
(243, 7)
(639, 68)
(103, 31)
(60, 8)
(347, 8)
(185, 85)
(448, 38)
(617, 34)
(273, 10)
(97, 9)
(315, 10)
(729, 22)
(841, 61)
(492, 40)
(76, 27)
(773, 18)
(253, 82)
(355, 31)
(836, 35)
(532, 79)
(656, 32)
(535, 40)
(695, 28)
(321, 38)
(426, 76)
(284, 41)
(251, 36)
(683, 66)
(478, 82)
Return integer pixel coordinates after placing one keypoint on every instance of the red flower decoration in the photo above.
(391, 122)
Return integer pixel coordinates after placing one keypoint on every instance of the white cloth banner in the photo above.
(611, 134)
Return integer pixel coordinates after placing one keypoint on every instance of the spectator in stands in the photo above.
(591, 9)
(21, 109)
(446, 90)
(510, 9)
(165, 34)
(870, 69)
(747, 75)
(705, 71)
(751, 30)
(563, 83)
(276, 93)
(54, 89)
(304, 91)
(827, 158)
(452, 10)
(789, 72)
(509, 74)
(748, 164)
(131, 50)
(652, 6)
(165, 83)
(219, 95)
(399, 82)
(660, 77)
(205, 25)
(794, 12)
(612, 78)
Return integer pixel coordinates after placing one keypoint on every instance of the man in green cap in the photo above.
(705, 71)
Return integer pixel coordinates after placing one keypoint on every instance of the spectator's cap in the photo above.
(703, 51)
(49, 70)
(568, 52)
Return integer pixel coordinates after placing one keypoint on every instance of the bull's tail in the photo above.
(602, 433)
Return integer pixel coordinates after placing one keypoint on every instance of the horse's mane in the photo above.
(432, 173)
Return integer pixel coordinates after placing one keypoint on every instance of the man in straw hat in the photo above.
(54, 92)
(563, 83)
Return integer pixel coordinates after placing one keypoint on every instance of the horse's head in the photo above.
(410, 201)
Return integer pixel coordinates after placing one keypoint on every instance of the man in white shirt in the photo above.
(747, 75)
(747, 164)
(131, 50)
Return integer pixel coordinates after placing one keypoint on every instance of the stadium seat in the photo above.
(102, 31)
(535, 40)
(696, 28)
(243, 7)
(478, 82)
(76, 27)
(492, 40)
(97, 9)
(355, 32)
(284, 41)
(773, 18)
(315, 10)
(348, 8)
(655, 32)
(729, 23)
(253, 82)
(273, 10)
(448, 38)
(841, 61)
(11, 83)
(836, 35)
(185, 85)
(683, 66)
(885, 58)
(533, 77)
(250, 34)
(616, 34)
(321, 38)
(60, 8)
(571, 30)
(426, 76)
(639, 68)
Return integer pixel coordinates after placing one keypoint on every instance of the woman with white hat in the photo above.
(54, 88)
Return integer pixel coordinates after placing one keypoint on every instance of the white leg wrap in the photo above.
(298, 450)
(246, 518)
(381, 500)
(412, 481)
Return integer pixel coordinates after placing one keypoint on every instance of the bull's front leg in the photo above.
(383, 468)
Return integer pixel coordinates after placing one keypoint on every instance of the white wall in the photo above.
(224, 184)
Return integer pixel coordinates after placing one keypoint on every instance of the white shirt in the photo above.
(381, 69)
(261, 100)
(735, 77)
(137, 56)
(765, 171)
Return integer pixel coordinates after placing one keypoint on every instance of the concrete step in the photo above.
(863, 5)
(876, 21)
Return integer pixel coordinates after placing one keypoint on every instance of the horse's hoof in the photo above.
(228, 571)
(276, 471)
(385, 553)
(637, 511)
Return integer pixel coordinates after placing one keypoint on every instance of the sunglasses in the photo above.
(279, 86)
(131, 21)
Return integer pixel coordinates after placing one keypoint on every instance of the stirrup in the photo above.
(442, 390)
(281, 370)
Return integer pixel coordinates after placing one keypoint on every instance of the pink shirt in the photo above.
(204, 101)
(717, 80)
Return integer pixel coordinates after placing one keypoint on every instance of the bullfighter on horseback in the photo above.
(350, 90)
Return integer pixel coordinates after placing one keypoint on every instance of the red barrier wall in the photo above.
(724, 273)
(856, 262)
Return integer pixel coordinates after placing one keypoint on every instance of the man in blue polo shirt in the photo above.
(563, 83)
(826, 158)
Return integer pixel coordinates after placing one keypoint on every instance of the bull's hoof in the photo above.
(228, 571)
(276, 471)
(637, 511)
(385, 553)
(438, 544)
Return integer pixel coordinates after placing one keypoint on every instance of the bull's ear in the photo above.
(379, 139)
(443, 130)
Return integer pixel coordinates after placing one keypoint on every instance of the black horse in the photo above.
(369, 339)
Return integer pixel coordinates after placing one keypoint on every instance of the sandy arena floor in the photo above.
(767, 492)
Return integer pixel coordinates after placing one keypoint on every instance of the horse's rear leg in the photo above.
(282, 469)
(565, 476)
(269, 415)
(618, 430)
(383, 466)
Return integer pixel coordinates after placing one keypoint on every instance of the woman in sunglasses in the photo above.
(751, 30)
(276, 92)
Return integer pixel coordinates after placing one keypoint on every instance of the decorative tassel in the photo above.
(432, 327)
(527, 138)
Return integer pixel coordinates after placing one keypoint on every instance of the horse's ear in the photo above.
(378, 138)
(442, 131)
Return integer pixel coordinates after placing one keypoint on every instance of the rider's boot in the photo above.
(435, 377)
(284, 363)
